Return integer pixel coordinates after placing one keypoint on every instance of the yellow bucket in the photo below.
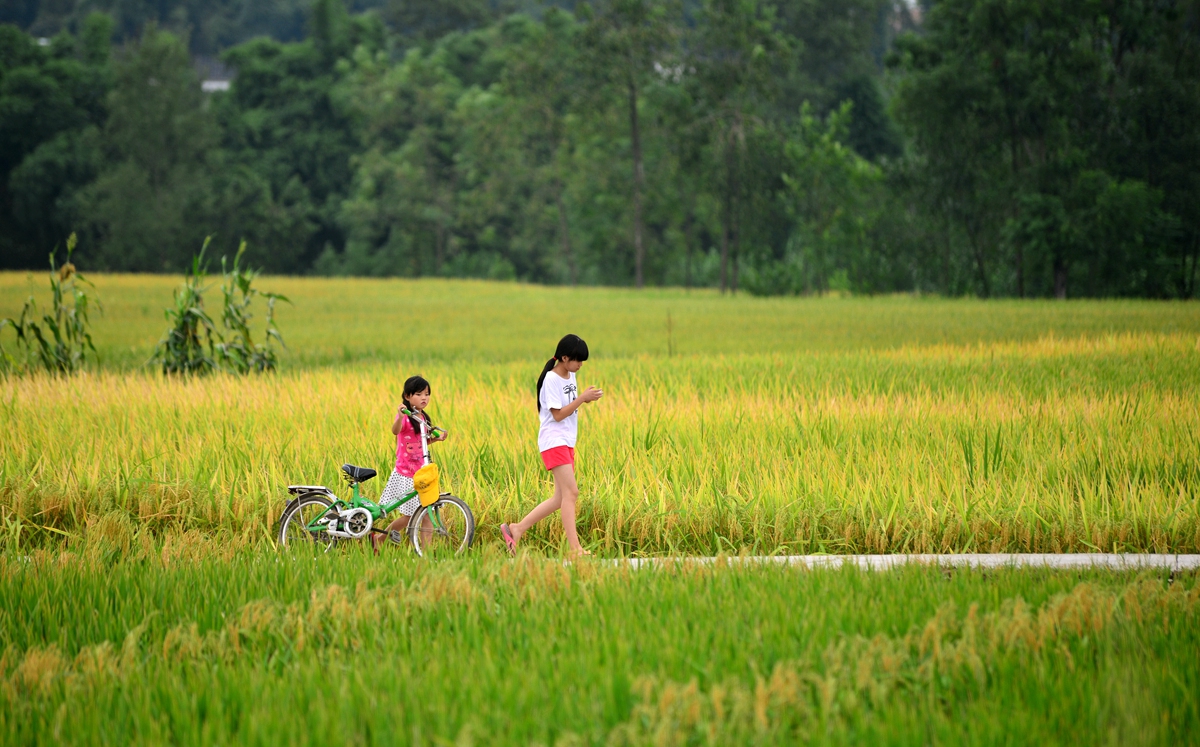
(426, 483)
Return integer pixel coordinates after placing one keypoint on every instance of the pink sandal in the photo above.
(506, 533)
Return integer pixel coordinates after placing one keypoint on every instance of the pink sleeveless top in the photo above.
(409, 458)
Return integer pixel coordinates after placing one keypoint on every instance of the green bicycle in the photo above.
(443, 524)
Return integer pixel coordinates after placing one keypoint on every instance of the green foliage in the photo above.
(51, 102)
(828, 189)
(425, 21)
(151, 193)
(871, 132)
(623, 40)
(187, 347)
(209, 25)
(60, 342)
(287, 150)
(623, 142)
(1029, 120)
(239, 353)
(195, 345)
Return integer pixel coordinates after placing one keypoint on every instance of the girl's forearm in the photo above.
(565, 412)
(396, 425)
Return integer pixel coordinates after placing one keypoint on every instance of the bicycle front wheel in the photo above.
(446, 527)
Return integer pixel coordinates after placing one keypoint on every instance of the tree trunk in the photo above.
(979, 261)
(725, 239)
(689, 230)
(564, 234)
(727, 229)
(946, 255)
(639, 178)
(1187, 280)
(439, 248)
(1020, 272)
(1060, 278)
(1191, 287)
(1012, 151)
(735, 247)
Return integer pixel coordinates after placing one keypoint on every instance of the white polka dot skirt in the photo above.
(399, 486)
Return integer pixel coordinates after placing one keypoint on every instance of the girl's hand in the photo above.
(591, 394)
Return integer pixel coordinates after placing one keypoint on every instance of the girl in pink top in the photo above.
(409, 456)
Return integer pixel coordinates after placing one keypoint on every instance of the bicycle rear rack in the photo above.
(298, 489)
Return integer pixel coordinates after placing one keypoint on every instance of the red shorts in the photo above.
(558, 456)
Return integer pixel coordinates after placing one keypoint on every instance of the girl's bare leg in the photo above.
(539, 512)
(398, 525)
(401, 523)
(568, 491)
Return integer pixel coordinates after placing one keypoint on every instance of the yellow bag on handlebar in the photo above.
(426, 483)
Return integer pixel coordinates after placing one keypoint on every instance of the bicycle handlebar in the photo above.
(432, 429)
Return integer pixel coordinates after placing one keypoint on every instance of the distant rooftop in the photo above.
(215, 76)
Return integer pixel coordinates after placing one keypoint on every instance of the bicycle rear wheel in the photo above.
(444, 528)
(293, 526)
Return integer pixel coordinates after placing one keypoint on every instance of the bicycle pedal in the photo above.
(396, 538)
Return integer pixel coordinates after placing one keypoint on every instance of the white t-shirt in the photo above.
(557, 393)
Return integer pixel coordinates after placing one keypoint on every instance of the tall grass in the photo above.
(1053, 445)
(145, 604)
(259, 648)
(338, 321)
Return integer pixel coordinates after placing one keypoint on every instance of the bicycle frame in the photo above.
(357, 500)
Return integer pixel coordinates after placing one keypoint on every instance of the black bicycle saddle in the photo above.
(358, 474)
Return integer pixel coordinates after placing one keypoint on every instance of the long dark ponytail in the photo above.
(570, 346)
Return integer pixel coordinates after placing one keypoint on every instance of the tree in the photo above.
(208, 25)
(51, 101)
(623, 39)
(144, 207)
(734, 52)
(288, 139)
(834, 47)
(402, 210)
(515, 134)
(1025, 113)
(429, 20)
(871, 131)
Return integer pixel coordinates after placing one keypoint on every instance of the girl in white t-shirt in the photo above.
(558, 399)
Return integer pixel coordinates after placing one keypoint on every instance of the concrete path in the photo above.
(1112, 561)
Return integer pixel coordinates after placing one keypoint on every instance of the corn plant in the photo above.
(195, 345)
(59, 343)
(240, 353)
(188, 346)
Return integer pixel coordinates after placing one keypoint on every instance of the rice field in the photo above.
(1048, 446)
(145, 602)
(339, 321)
(356, 650)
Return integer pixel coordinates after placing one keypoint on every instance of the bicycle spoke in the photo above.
(295, 529)
(443, 528)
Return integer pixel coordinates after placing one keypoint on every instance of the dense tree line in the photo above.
(995, 147)
(212, 26)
